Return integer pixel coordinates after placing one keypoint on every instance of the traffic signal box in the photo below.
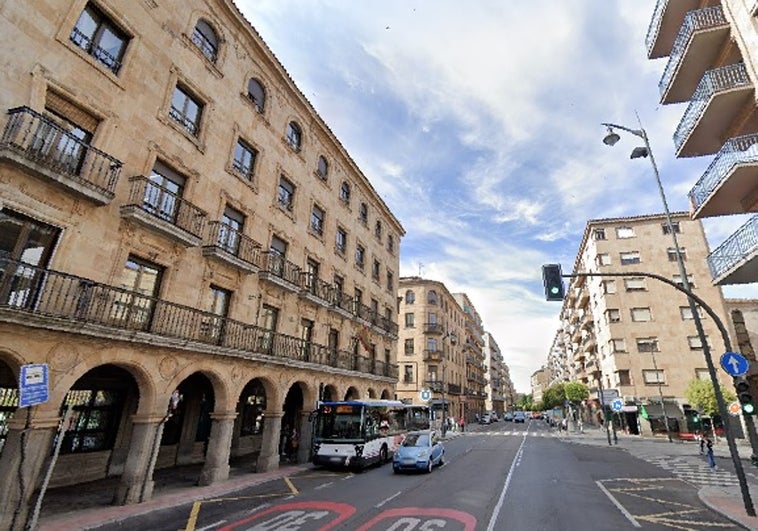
(552, 279)
(744, 395)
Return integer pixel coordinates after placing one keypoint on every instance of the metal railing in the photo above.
(734, 249)
(655, 24)
(230, 240)
(163, 204)
(98, 52)
(317, 287)
(74, 302)
(738, 150)
(280, 267)
(699, 19)
(714, 81)
(41, 140)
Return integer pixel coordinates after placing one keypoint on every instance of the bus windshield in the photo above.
(339, 422)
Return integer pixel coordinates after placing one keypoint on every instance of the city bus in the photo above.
(360, 433)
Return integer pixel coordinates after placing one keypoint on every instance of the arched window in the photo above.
(410, 297)
(323, 167)
(345, 192)
(431, 297)
(205, 38)
(256, 94)
(294, 136)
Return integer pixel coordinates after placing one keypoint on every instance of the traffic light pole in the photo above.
(748, 502)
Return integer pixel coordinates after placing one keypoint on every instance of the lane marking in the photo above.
(211, 526)
(514, 463)
(618, 505)
(291, 486)
(386, 500)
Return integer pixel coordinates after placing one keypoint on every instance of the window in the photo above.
(635, 284)
(375, 269)
(686, 313)
(409, 320)
(390, 281)
(269, 323)
(613, 316)
(230, 229)
(312, 275)
(671, 251)
(286, 193)
(630, 257)
(609, 287)
(407, 373)
(99, 37)
(378, 229)
(603, 259)
(641, 314)
(163, 192)
(360, 256)
(703, 374)
(374, 310)
(618, 345)
(674, 225)
(345, 192)
(276, 256)
(186, 110)
(322, 169)
(294, 136)
(623, 377)
(256, 94)
(431, 297)
(410, 297)
(598, 234)
(96, 420)
(363, 213)
(206, 40)
(695, 343)
(341, 241)
(317, 220)
(678, 280)
(244, 160)
(391, 243)
(647, 344)
(306, 335)
(431, 344)
(339, 288)
(141, 280)
(624, 232)
(211, 327)
(65, 142)
(408, 347)
(653, 376)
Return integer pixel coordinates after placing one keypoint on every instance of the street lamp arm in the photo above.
(636, 132)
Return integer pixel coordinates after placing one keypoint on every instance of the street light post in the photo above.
(641, 152)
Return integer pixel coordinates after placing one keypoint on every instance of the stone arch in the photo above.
(329, 393)
(371, 393)
(352, 393)
(224, 397)
(387, 395)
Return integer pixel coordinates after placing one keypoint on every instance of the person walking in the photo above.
(462, 424)
(709, 446)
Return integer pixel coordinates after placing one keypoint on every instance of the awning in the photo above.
(672, 410)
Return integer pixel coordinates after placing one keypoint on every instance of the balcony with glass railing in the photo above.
(723, 96)
(229, 245)
(730, 183)
(665, 23)
(52, 300)
(159, 209)
(696, 49)
(41, 146)
(735, 261)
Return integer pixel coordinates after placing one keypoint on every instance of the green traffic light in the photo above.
(748, 408)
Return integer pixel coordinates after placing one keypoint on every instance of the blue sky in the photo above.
(480, 128)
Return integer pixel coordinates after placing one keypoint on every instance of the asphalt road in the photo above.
(496, 477)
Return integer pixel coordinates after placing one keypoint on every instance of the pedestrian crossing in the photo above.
(510, 433)
(691, 469)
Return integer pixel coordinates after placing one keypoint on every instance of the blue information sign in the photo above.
(617, 404)
(33, 385)
(734, 364)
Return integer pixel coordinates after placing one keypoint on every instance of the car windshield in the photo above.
(416, 439)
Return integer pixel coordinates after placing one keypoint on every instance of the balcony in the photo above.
(730, 184)
(433, 328)
(342, 304)
(316, 290)
(433, 355)
(697, 48)
(230, 246)
(280, 272)
(48, 151)
(158, 209)
(736, 260)
(668, 16)
(51, 300)
(723, 98)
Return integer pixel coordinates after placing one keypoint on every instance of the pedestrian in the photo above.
(294, 445)
(709, 446)
(701, 438)
(462, 424)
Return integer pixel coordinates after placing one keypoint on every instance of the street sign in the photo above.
(617, 404)
(609, 394)
(735, 408)
(33, 385)
(425, 395)
(734, 364)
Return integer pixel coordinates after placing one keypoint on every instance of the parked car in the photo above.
(485, 419)
(519, 416)
(508, 417)
(420, 451)
(493, 417)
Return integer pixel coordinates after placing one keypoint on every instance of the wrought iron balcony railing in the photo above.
(68, 160)
(713, 82)
(739, 150)
(224, 240)
(73, 303)
(433, 328)
(275, 264)
(433, 355)
(312, 285)
(698, 20)
(734, 249)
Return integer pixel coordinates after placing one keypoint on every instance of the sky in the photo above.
(479, 126)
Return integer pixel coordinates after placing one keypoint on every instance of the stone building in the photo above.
(473, 351)
(184, 243)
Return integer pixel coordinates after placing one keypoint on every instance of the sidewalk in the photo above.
(727, 501)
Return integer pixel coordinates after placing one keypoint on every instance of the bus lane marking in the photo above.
(516, 461)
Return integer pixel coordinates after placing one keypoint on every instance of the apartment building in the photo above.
(430, 340)
(540, 381)
(185, 247)
(633, 336)
(495, 386)
(473, 350)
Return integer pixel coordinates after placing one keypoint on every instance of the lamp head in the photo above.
(639, 152)
(611, 138)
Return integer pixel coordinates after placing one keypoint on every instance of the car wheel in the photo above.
(442, 459)
(383, 455)
(395, 470)
(430, 466)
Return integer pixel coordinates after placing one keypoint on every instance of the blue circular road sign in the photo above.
(734, 364)
(617, 404)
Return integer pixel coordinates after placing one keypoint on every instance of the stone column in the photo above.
(136, 483)
(216, 466)
(269, 456)
(305, 429)
(186, 448)
(27, 449)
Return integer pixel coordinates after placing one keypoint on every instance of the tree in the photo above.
(701, 395)
(525, 402)
(576, 392)
(554, 396)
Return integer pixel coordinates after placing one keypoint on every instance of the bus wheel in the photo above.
(383, 455)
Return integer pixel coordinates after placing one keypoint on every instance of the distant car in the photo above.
(508, 417)
(420, 451)
(493, 417)
(519, 416)
(485, 419)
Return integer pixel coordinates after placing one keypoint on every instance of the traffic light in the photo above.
(553, 281)
(745, 396)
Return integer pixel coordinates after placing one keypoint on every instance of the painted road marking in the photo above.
(514, 464)
(421, 519)
(386, 500)
(296, 515)
(618, 505)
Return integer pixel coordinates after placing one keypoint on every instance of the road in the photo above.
(496, 477)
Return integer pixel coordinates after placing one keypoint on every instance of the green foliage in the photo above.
(525, 402)
(554, 396)
(701, 395)
(576, 392)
